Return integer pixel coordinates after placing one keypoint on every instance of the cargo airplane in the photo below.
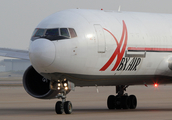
(80, 47)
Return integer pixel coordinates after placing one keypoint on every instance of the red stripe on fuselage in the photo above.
(117, 50)
(150, 49)
(112, 35)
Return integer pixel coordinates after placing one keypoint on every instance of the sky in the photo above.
(18, 18)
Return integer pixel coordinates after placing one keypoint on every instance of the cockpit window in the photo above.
(72, 33)
(34, 32)
(64, 32)
(54, 34)
(39, 33)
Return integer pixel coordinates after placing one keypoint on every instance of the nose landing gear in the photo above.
(121, 100)
(63, 87)
(63, 105)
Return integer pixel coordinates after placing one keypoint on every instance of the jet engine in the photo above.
(37, 86)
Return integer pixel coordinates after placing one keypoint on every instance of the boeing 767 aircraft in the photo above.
(80, 47)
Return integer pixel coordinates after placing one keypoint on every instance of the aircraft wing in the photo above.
(14, 53)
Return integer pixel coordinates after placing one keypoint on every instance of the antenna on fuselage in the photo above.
(119, 9)
(97, 88)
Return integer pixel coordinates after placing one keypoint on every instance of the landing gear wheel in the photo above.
(59, 107)
(125, 100)
(122, 100)
(68, 107)
(133, 101)
(111, 101)
(118, 102)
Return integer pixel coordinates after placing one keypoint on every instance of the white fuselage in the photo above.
(138, 44)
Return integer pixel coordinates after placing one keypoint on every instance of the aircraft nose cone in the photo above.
(42, 52)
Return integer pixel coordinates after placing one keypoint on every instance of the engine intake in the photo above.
(36, 85)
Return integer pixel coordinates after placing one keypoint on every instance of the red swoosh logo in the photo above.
(117, 53)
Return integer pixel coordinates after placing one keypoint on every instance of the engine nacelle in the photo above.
(37, 86)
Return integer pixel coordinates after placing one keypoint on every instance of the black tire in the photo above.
(125, 102)
(118, 103)
(133, 101)
(59, 107)
(111, 101)
(68, 107)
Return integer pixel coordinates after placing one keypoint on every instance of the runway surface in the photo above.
(153, 104)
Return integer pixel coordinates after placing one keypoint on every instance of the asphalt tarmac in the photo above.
(153, 104)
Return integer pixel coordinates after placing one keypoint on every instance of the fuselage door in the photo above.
(100, 38)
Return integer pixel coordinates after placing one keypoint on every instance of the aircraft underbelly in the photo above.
(92, 80)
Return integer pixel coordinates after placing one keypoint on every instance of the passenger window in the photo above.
(64, 32)
(72, 33)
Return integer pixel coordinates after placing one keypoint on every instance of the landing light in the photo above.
(66, 88)
(65, 84)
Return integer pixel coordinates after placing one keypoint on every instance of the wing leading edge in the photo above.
(14, 53)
